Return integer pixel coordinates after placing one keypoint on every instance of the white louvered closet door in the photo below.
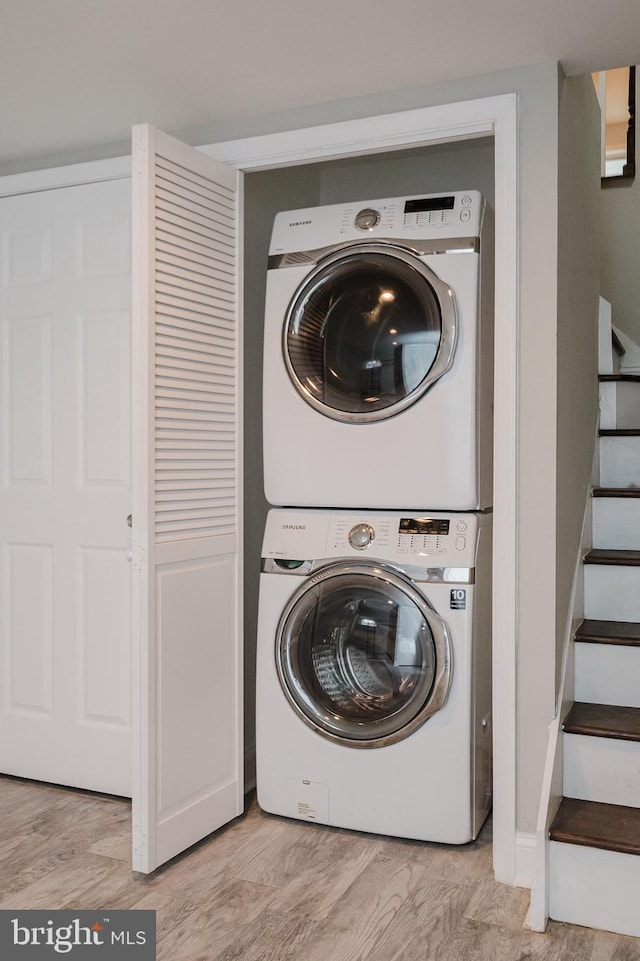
(187, 481)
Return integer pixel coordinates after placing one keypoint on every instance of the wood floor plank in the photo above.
(464, 863)
(118, 890)
(289, 854)
(194, 874)
(477, 941)
(335, 863)
(379, 899)
(117, 846)
(560, 942)
(614, 947)
(214, 925)
(425, 924)
(352, 929)
(500, 905)
(170, 912)
(63, 885)
(270, 937)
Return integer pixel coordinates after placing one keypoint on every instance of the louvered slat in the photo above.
(198, 255)
(167, 306)
(172, 235)
(188, 219)
(181, 268)
(215, 192)
(195, 384)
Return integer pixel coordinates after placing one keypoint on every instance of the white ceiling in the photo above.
(75, 74)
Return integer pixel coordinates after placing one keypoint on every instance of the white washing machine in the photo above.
(374, 671)
(378, 355)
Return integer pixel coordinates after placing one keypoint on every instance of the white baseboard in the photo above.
(526, 854)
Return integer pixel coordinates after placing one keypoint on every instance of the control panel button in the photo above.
(465, 215)
(361, 536)
(466, 200)
(461, 543)
(367, 219)
(461, 526)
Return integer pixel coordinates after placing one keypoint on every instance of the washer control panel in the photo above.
(435, 539)
(429, 540)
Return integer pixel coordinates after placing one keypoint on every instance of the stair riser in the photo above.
(597, 889)
(612, 593)
(608, 405)
(616, 523)
(601, 769)
(627, 404)
(619, 404)
(607, 674)
(620, 461)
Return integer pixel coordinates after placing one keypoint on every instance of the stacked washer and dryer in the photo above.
(373, 703)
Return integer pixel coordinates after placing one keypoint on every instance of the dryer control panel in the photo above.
(429, 217)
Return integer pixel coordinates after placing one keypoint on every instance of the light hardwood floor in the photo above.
(268, 889)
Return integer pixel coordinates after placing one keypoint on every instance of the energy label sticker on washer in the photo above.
(458, 599)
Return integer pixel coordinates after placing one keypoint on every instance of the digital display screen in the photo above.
(424, 525)
(429, 203)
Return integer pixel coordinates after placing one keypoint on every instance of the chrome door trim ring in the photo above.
(438, 693)
(446, 349)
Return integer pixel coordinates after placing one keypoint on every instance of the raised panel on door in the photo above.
(187, 500)
(65, 577)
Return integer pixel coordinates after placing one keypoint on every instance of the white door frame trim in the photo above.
(497, 116)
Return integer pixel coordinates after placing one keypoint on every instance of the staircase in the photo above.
(594, 858)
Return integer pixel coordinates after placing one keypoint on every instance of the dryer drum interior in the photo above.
(368, 332)
(362, 656)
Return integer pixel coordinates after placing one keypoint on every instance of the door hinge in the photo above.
(140, 555)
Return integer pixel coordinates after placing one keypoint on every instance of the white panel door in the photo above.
(65, 635)
(187, 503)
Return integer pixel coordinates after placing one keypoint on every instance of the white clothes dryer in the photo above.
(373, 706)
(378, 355)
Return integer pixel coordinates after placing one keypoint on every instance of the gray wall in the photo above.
(265, 194)
(577, 344)
(620, 235)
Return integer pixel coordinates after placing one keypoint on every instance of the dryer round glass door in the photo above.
(368, 332)
(362, 656)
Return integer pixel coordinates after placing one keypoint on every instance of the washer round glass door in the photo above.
(361, 655)
(368, 332)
